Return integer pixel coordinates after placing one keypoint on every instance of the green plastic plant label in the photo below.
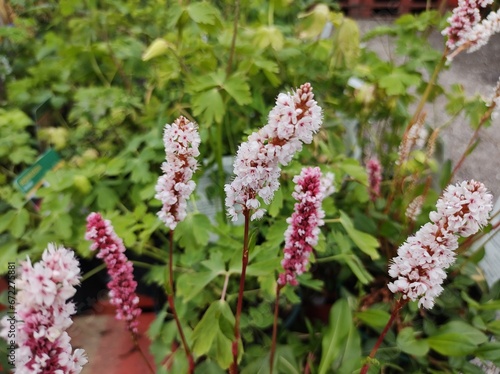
(31, 178)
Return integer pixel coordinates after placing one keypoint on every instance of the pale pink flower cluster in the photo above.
(416, 136)
(414, 208)
(303, 230)
(174, 187)
(293, 121)
(466, 28)
(122, 284)
(420, 266)
(43, 314)
(374, 170)
(482, 32)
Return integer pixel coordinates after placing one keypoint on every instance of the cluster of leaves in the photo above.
(98, 80)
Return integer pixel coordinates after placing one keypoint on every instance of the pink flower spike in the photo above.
(174, 187)
(420, 266)
(43, 314)
(293, 121)
(374, 170)
(466, 30)
(122, 284)
(303, 230)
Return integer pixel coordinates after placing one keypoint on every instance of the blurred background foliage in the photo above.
(97, 81)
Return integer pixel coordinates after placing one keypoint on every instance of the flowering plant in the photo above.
(285, 276)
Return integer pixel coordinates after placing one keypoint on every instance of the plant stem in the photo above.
(224, 288)
(233, 41)
(92, 272)
(275, 328)
(244, 262)
(413, 121)
(143, 355)
(399, 304)
(171, 303)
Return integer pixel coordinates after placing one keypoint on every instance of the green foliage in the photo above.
(98, 80)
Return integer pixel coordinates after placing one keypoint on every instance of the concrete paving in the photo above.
(478, 73)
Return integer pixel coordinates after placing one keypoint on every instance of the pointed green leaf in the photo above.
(206, 330)
(409, 344)
(7, 219)
(334, 339)
(238, 89)
(209, 104)
(367, 243)
(194, 232)
(489, 351)
(19, 223)
(374, 317)
(8, 253)
(474, 335)
(451, 344)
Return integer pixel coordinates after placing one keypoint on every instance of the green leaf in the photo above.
(451, 344)
(374, 317)
(397, 82)
(276, 204)
(210, 105)
(155, 327)
(351, 356)
(263, 267)
(335, 336)
(8, 253)
(407, 343)
(19, 222)
(357, 267)
(194, 232)
(214, 331)
(490, 305)
(490, 352)
(191, 284)
(266, 36)
(238, 89)
(354, 169)
(107, 198)
(314, 21)
(203, 13)
(7, 219)
(206, 330)
(366, 242)
(474, 335)
(494, 327)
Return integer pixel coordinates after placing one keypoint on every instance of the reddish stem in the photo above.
(399, 304)
(275, 329)
(233, 369)
(171, 304)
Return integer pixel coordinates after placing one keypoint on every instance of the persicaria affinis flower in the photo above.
(43, 314)
(414, 208)
(122, 284)
(174, 187)
(466, 30)
(374, 177)
(293, 121)
(464, 208)
(303, 230)
(420, 266)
